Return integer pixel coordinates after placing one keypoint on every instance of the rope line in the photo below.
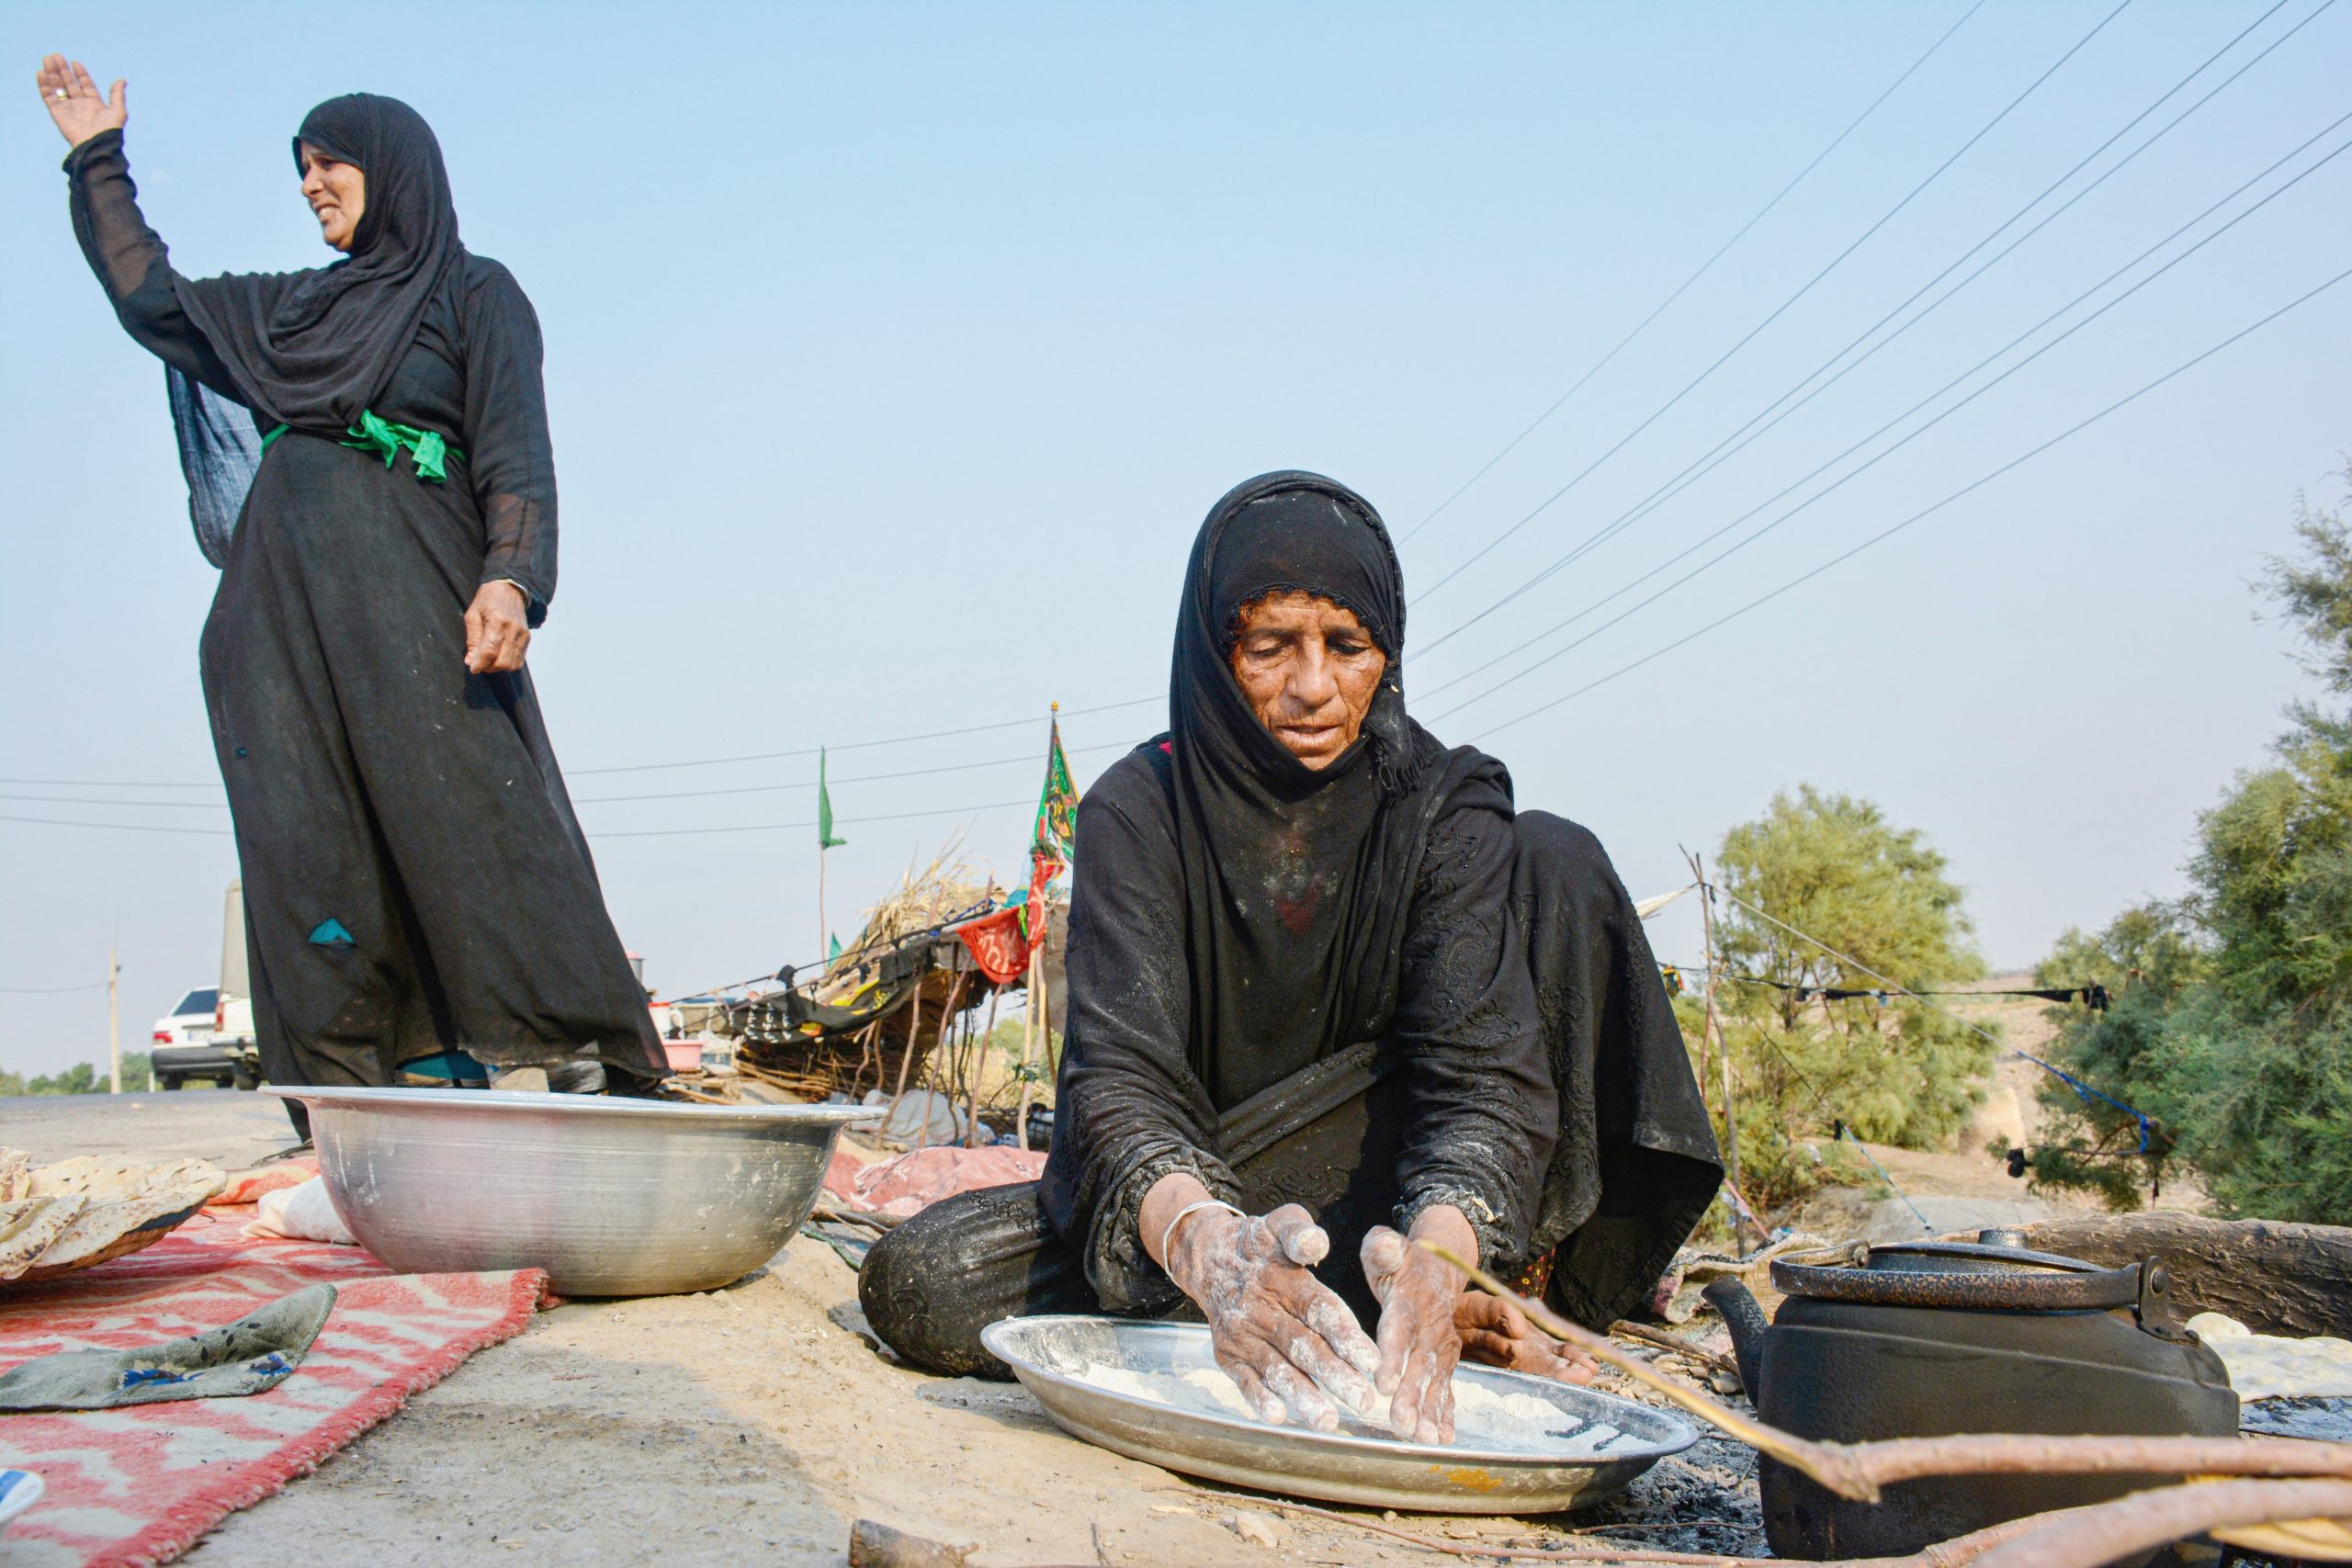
(2080, 1088)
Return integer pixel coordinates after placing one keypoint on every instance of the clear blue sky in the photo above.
(895, 353)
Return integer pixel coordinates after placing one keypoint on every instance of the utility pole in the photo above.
(1713, 1034)
(114, 1022)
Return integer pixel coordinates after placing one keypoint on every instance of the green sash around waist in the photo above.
(429, 449)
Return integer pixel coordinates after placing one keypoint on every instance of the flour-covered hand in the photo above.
(1281, 1333)
(1418, 1344)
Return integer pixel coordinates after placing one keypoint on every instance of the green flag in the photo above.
(1055, 836)
(825, 840)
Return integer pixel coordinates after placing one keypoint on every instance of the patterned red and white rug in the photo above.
(140, 1485)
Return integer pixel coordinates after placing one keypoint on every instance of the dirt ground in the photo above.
(754, 1424)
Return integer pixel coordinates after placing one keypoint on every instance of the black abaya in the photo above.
(1366, 989)
(414, 878)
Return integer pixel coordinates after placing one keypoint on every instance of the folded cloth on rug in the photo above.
(302, 1212)
(252, 1354)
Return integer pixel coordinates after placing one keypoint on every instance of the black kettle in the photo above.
(1935, 1338)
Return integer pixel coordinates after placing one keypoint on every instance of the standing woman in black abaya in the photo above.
(420, 902)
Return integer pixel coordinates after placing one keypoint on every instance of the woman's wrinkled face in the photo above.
(337, 193)
(1308, 671)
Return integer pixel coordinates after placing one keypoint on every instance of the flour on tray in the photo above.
(1483, 1418)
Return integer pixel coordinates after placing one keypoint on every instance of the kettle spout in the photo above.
(1747, 1325)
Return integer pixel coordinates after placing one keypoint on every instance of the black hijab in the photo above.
(311, 349)
(1297, 882)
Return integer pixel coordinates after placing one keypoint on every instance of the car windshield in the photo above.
(198, 1001)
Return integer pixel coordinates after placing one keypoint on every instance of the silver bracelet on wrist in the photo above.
(1168, 1235)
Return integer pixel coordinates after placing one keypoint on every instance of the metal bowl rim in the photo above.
(504, 1100)
(994, 1336)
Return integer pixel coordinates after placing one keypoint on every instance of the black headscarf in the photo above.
(1297, 882)
(310, 349)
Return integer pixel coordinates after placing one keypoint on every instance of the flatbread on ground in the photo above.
(90, 1209)
(28, 1227)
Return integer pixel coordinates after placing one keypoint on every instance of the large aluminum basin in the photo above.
(611, 1196)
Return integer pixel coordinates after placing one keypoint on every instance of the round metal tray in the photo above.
(611, 1196)
(1347, 1466)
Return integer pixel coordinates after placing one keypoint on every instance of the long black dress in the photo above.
(1366, 989)
(414, 878)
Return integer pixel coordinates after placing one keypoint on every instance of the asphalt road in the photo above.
(228, 1127)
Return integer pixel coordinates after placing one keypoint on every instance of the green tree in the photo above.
(1834, 868)
(84, 1077)
(2235, 1032)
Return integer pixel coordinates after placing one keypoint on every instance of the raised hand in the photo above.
(72, 100)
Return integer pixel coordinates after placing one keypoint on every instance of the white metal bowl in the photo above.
(611, 1196)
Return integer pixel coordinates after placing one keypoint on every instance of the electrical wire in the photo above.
(1925, 512)
(108, 784)
(1897, 445)
(1739, 440)
(838, 821)
(1602, 363)
(156, 804)
(1029, 757)
(682, 794)
(122, 827)
(865, 745)
(1783, 307)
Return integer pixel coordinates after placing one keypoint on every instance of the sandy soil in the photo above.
(757, 1422)
(754, 1423)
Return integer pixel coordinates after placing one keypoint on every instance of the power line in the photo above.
(632, 833)
(1739, 440)
(649, 767)
(50, 990)
(1923, 513)
(1704, 267)
(841, 821)
(108, 784)
(1779, 310)
(1874, 461)
(863, 745)
(156, 804)
(858, 778)
(120, 827)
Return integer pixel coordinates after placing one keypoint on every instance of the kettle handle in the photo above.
(2153, 1311)
(1748, 1326)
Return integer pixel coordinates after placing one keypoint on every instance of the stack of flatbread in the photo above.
(57, 1218)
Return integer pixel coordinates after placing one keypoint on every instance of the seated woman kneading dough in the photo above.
(1327, 990)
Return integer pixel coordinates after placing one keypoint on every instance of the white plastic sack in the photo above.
(923, 1117)
(300, 1213)
(2269, 1366)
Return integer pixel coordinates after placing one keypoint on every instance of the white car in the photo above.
(190, 1022)
(190, 1046)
